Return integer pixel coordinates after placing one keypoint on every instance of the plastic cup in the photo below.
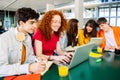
(63, 71)
(99, 50)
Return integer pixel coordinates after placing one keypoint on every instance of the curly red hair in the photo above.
(44, 25)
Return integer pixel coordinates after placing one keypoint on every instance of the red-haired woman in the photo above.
(46, 38)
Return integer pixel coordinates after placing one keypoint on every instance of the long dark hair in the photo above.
(72, 32)
(93, 25)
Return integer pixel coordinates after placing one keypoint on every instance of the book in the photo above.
(95, 55)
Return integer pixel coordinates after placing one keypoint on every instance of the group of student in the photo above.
(110, 34)
(52, 34)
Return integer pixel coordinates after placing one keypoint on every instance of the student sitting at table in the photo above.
(16, 52)
(46, 38)
(90, 30)
(69, 38)
(110, 35)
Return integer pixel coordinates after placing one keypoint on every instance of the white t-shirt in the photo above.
(110, 40)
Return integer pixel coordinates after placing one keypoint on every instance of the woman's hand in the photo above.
(61, 59)
(69, 54)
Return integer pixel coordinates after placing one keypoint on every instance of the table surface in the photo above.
(107, 69)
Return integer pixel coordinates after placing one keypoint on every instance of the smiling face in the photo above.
(56, 23)
(104, 26)
(89, 29)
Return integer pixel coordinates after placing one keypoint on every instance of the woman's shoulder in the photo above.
(37, 34)
(81, 30)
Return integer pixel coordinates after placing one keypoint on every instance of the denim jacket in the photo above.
(63, 41)
(10, 54)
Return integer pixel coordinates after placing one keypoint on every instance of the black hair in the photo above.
(101, 20)
(24, 14)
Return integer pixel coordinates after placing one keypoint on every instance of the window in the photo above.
(118, 22)
(111, 13)
(106, 12)
(101, 13)
(118, 11)
(113, 21)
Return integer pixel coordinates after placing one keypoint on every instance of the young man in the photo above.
(110, 34)
(11, 42)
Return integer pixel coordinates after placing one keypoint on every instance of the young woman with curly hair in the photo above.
(46, 38)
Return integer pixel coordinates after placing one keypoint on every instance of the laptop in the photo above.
(80, 55)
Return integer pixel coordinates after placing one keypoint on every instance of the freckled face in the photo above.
(56, 23)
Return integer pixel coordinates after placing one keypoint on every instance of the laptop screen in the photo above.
(81, 54)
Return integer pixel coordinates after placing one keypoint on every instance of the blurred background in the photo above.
(80, 9)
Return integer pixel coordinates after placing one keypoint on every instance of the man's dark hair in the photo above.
(101, 20)
(24, 14)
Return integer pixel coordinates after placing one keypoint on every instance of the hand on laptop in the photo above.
(67, 59)
(62, 59)
(69, 54)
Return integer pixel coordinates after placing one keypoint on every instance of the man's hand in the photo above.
(37, 67)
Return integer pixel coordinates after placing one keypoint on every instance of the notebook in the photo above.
(48, 65)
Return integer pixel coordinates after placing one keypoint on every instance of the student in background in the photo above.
(90, 30)
(46, 38)
(110, 35)
(2, 30)
(12, 59)
(69, 36)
